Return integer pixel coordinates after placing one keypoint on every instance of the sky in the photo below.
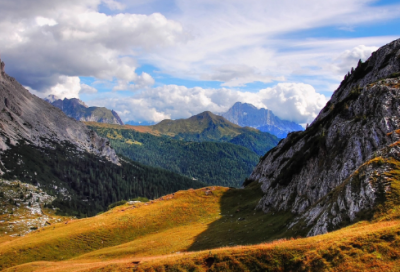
(151, 60)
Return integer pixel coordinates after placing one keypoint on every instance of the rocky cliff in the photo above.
(247, 115)
(333, 173)
(78, 110)
(27, 118)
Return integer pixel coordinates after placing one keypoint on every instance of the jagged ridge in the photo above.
(306, 166)
(247, 115)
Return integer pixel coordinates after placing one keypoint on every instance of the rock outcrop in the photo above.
(247, 115)
(78, 110)
(25, 117)
(311, 173)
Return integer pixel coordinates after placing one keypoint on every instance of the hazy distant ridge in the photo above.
(247, 115)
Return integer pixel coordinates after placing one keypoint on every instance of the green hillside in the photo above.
(211, 162)
(204, 126)
(207, 126)
(83, 183)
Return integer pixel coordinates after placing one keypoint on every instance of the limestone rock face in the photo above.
(247, 115)
(25, 117)
(306, 167)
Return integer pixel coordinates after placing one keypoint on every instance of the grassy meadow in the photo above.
(208, 229)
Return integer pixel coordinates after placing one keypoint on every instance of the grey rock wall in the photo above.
(306, 166)
(25, 117)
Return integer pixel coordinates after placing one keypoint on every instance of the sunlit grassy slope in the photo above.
(209, 229)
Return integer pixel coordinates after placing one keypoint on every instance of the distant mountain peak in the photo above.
(77, 109)
(245, 114)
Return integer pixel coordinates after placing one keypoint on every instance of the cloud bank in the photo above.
(49, 46)
(297, 102)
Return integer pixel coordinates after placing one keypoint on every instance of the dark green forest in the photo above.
(86, 184)
(257, 141)
(214, 163)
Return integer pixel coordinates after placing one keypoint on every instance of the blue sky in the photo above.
(156, 59)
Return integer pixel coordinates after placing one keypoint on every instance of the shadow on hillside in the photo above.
(241, 224)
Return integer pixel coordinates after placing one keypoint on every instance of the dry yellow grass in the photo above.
(142, 129)
(167, 235)
(363, 246)
(119, 226)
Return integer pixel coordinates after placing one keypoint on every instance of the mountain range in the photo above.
(78, 110)
(344, 169)
(247, 115)
(43, 147)
(206, 147)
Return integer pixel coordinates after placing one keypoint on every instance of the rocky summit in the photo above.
(27, 118)
(78, 110)
(337, 171)
(247, 115)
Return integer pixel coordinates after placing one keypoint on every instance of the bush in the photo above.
(115, 204)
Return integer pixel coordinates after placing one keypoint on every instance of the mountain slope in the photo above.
(246, 115)
(200, 127)
(214, 163)
(166, 235)
(40, 145)
(356, 125)
(207, 126)
(24, 116)
(78, 110)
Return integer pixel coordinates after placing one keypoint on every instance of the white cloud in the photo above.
(291, 101)
(49, 44)
(76, 40)
(142, 82)
(350, 58)
(240, 42)
(66, 87)
(41, 21)
(114, 5)
(87, 89)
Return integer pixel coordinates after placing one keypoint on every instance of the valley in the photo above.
(204, 193)
(211, 160)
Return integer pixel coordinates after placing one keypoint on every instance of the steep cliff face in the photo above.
(247, 115)
(25, 117)
(78, 110)
(306, 168)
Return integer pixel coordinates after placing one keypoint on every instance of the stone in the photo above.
(26, 117)
(299, 174)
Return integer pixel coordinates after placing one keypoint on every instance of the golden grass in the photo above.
(142, 129)
(363, 246)
(184, 231)
(121, 225)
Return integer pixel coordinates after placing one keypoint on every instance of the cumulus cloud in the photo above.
(291, 101)
(49, 44)
(67, 87)
(296, 102)
(75, 39)
(142, 82)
